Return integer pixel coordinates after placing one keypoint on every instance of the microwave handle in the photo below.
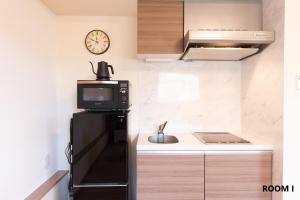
(111, 68)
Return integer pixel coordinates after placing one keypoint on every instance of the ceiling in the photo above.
(93, 7)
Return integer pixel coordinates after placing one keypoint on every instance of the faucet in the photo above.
(161, 130)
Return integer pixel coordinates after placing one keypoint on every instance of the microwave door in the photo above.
(97, 96)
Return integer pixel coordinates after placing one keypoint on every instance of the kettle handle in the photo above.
(111, 68)
(93, 68)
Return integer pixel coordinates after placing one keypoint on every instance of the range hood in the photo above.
(224, 44)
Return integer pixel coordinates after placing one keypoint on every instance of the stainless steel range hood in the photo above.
(224, 44)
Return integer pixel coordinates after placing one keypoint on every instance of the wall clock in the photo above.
(97, 42)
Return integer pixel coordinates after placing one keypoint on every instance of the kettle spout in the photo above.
(93, 68)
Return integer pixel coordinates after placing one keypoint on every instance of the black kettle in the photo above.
(102, 71)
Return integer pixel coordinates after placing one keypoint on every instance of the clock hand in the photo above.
(92, 39)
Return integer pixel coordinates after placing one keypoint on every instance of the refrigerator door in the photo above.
(104, 193)
(99, 149)
(109, 167)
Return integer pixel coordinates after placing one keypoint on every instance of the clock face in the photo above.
(97, 42)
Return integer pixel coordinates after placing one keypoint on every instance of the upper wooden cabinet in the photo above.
(160, 27)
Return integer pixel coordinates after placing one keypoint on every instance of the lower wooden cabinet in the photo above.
(237, 176)
(170, 177)
(211, 176)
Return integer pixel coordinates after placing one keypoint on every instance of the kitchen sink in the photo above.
(163, 139)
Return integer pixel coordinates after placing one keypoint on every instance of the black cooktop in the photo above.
(219, 138)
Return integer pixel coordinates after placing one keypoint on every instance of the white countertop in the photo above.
(188, 142)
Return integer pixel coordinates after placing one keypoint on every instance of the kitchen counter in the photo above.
(189, 143)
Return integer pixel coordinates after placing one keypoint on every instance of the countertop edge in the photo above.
(191, 143)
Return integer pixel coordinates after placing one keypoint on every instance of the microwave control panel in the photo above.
(124, 94)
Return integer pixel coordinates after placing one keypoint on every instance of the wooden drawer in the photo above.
(237, 176)
(170, 177)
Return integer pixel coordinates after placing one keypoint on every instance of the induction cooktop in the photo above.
(219, 138)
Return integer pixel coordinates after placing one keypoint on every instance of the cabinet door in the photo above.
(237, 176)
(170, 177)
(160, 27)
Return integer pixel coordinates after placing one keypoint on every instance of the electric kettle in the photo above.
(102, 71)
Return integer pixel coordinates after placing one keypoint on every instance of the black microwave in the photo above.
(103, 95)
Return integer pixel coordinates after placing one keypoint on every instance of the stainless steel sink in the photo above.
(163, 139)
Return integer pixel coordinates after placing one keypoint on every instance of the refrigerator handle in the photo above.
(71, 130)
(69, 148)
(69, 154)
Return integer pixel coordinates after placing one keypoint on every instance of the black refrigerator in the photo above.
(98, 156)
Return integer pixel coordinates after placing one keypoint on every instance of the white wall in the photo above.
(28, 97)
(291, 165)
